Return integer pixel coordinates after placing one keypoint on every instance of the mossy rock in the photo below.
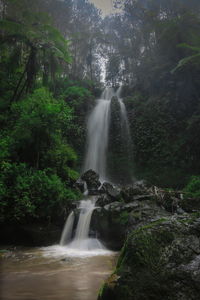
(158, 261)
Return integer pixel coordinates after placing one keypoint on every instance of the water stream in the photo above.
(48, 274)
(98, 132)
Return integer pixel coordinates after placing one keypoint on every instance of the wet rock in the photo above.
(80, 184)
(190, 204)
(92, 180)
(160, 260)
(114, 206)
(103, 200)
(114, 220)
(142, 197)
(130, 193)
(109, 189)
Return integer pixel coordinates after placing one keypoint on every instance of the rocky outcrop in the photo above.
(114, 220)
(92, 180)
(158, 261)
(112, 191)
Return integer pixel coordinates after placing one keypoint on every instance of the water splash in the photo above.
(82, 241)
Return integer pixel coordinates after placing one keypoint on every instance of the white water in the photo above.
(86, 209)
(67, 231)
(98, 130)
(82, 245)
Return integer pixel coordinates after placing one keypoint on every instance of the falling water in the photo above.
(98, 130)
(81, 241)
(124, 120)
(126, 140)
(67, 231)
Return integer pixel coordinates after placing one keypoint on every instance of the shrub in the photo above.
(193, 187)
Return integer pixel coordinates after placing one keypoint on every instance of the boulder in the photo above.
(138, 189)
(103, 200)
(92, 180)
(108, 188)
(160, 260)
(114, 220)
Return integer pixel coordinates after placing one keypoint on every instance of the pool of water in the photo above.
(53, 273)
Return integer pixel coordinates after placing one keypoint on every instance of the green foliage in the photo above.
(38, 133)
(77, 96)
(193, 187)
(36, 160)
(26, 193)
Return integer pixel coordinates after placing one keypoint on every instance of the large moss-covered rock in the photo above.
(158, 261)
(114, 220)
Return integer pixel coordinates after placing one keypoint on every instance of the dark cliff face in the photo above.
(119, 163)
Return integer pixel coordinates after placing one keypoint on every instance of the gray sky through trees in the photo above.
(105, 5)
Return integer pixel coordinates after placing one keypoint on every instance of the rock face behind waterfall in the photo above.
(118, 158)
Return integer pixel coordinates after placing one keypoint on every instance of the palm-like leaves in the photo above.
(189, 59)
(41, 41)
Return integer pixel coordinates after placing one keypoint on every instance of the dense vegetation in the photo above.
(47, 87)
(50, 69)
(154, 50)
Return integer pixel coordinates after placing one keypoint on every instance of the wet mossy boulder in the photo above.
(158, 261)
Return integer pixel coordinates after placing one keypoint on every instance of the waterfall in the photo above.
(97, 143)
(81, 240)
(67, 231)
(125, 123)
(98, 130)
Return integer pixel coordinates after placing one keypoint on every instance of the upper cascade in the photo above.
(98, 127)
(97, 134)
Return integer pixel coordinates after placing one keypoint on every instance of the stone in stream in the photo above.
(92, 180)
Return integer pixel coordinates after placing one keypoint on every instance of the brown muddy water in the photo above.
(53, 274)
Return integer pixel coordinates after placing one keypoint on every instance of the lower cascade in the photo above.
(81, 239)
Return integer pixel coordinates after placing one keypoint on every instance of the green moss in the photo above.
(101, 290)
(150, 225)
(124, 217)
